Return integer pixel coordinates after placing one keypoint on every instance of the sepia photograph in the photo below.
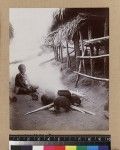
(59, 69)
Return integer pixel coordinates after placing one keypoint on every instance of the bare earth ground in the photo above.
(94, 98)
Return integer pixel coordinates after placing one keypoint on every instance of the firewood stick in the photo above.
(81, 109)
(77, 93)
(77, 108)
(41, 108)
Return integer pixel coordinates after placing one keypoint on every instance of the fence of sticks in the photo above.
(90, 37)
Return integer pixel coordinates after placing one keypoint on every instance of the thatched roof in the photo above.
(67, 30)
(62, 16)
(69, 20)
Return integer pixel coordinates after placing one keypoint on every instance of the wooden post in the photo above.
(81, 62)
(56, 52)
(61, 53)
(91, 49)
(106, 27)
(76, 41)
(89, 32)
(75, 50)
(97, 46)
(58, 47)
(91, 60)
(83, 52)
(78, 76)
(68, 56)
(106, 33)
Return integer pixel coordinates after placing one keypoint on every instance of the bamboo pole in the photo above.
(92, 77)
(93, 57)
(92, 41)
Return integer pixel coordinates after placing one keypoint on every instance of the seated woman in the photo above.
(22, 84)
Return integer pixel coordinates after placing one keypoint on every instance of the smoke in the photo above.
(46, 76)
(30, 27)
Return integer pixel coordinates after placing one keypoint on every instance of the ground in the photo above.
(94, 97)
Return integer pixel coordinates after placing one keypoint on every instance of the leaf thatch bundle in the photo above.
(67, 30)
(69, 20)
(63, 15)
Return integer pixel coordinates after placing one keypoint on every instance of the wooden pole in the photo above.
(91, 60)
(55, 53)
(61, 53)
(91, 48)
(96, 40)
(82, 110)
(97, 47)
(92, 77)
(68, 56)
(93, 57)
(78, 62)
(106, 32)
(83, 52)
(89, 32)
(106, 26)
(54, 49)
(41, 108)
(81, 62)
(58, 47)
(78, 76)
(76, 40)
